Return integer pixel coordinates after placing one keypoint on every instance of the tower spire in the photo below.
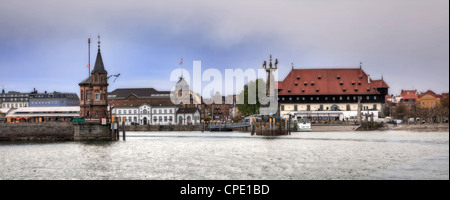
(99, 42)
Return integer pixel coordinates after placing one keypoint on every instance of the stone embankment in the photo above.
(417, 127)
(57, 131)
(333, 127)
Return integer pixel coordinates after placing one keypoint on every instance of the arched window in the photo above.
(334, 108)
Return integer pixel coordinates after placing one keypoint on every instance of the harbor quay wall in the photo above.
(333, 127)
(89, 132)
(53, 131)
(57, 131)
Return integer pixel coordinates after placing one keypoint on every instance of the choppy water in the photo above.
(196, 155)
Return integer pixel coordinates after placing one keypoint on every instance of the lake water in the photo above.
(234, 155)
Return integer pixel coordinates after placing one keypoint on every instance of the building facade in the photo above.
(428, 99)
(156, 115)
(54, 99)
(14, 99)
(408, 98)
(330, 94)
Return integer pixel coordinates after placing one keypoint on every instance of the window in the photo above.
(321, 108)
(348, 107)
(290, 98)
(95, 78)
(374, 97)
(348, 98)
(298, 98)
(308, 107)
(367, 97)
(282, 98)
(312, 98)
(317, 98)
(135, 111)
(340, 98)
(374, 106)
(295, 107)
(282, 108)
(296, 84)
(334, 98)
(120, 112)
(303, 98)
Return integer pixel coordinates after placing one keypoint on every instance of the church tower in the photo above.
(94, 91)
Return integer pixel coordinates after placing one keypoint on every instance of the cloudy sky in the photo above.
(43, 43)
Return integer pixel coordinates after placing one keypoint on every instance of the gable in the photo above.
(132, 97)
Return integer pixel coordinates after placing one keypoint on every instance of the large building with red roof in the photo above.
(330, 94)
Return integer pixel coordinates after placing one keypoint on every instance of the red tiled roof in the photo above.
(409, 94)
(331, 82)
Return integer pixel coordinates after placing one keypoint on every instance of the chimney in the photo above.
(368, 78)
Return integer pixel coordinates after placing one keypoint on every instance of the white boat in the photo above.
(304, 126)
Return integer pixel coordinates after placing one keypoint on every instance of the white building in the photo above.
(146, 114)
(188, 115)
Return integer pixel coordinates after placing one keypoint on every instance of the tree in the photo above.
(247, 108)
(400, 111)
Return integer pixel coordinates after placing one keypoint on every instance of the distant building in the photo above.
(43, 114)
(188, 115)
(53, 99)
(408, 97)
(428, 99)
(14, 99)
(156, 114)
(330, 94)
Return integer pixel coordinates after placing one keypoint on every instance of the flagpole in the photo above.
(89, 58)
(89, 73)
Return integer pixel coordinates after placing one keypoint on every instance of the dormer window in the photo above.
(319, 77)
(317, 90)
(341, 82)
(305, 83)
(356, 90)
(353, 82)
(338, 77)
(312, 82)
(289, 91)
(303, 91)
(344, 90)
(296, 84)
(298, 77)
(368, 89)
(359, 82)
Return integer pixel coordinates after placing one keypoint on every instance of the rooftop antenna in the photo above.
(292, 66)
(360, 65)
(98, 42)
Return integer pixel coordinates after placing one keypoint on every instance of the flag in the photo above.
(181, 61)
(88, 65)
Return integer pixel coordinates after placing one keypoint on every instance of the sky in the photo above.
(43, 43)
